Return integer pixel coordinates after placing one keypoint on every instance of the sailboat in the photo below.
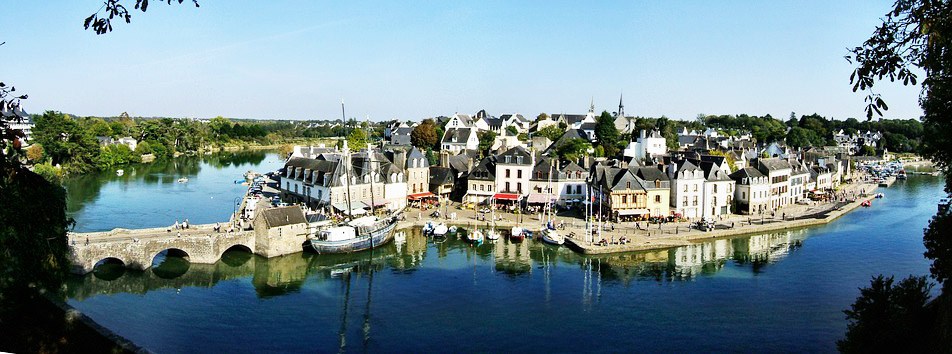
(357, 234)
(549, 235)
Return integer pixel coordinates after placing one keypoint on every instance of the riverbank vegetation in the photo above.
(915, 36)
(82, 144)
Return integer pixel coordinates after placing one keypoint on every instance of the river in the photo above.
(780, 292)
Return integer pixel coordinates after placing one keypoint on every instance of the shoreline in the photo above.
(655, 239)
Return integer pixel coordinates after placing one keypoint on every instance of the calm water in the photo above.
(778, 292)
(148, 195)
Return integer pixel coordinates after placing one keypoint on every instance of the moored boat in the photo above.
(475, 237)
(440, 230)
(517, 234)
(553, 238)
(492, 234)
(120, 172)
(183, 180)
(357, 235)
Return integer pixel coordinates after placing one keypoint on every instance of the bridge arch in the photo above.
(240, 255)
(108, 268)
(170, 263)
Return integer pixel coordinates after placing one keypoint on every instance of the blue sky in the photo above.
(388, 59)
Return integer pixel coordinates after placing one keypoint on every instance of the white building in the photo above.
(778, 173)
(687, 188)
(513, 169)
(752, 191)
(718, 190)
(647, 145)
(457, 139)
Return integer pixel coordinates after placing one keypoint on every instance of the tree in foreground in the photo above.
(607, 134)
(889, 318)
(917, 34)
(424, 135)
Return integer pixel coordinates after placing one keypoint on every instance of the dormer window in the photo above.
(627, 185)
(508, 159)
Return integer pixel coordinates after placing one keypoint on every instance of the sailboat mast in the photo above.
(370, 156)
(346, 164)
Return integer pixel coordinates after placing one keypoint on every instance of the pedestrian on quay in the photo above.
(186, 223)
(87, 240)
(176, 225)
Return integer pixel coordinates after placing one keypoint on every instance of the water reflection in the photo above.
(85, 188)
(283, 275)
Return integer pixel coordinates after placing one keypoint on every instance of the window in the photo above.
(685, 188)
(743, 195)
(507, 173)
(579, 189)
(287, 185)
(657, 199)
(624, 199)
(657, 184)
(695, 200)
(627, 185)
(474, 186)
(519, 187)
(685, 201)
(507, 186)
(481, 187)
(715, 188)
(295, 188)
(714, 201)
(518, 173)
(490, 188)
(695, 188)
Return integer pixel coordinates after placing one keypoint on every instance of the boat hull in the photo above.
(376, 238)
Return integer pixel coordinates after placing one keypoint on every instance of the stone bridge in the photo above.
(136, 249)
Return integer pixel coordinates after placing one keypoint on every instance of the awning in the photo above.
(379, 203)
(627, 212)
(539, 198)
(421, 196)
(506, 196)
(343, 208)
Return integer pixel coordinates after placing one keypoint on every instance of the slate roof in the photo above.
(588, 126)
(461, 135)
(772, 164)
(746, 172)
(416, 154)
(441, 175)
(713, 173)
(485, 170)
(571, 118)
(281, 216)
(514, 155)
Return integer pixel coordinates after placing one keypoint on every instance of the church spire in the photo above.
(621, 106)
(591, 109)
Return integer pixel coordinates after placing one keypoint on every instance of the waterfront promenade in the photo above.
(644, 236)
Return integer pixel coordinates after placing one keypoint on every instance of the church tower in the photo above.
(621, 107)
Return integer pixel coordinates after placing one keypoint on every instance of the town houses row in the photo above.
(648, 181)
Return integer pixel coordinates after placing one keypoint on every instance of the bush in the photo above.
(48, 172)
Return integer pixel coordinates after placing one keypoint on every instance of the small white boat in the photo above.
(183, 180)
(492, 234)
(475, 237)
(120, 172)
(440, 230)
(552, 237)
(428, 228)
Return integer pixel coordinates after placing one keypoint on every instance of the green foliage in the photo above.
(357, 139)
(890, 319)
(607, 134)
(866, 150)
(98, 127)
(573, 149)
(431, 157)
(115, 155)
(424, 135)
(938, 244)
(552, 132)
(48, 172)
(801, 137)
(730, 159)
(35, 153)
(66, 142)
(523, 137)
(486, 140)
(143, 148)
(33, 245)
(512, 131)
(600, 151)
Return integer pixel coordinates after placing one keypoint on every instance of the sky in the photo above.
(411, 60)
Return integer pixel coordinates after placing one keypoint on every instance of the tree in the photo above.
(607, 134)
(486, 140)
(99, 127)
(357, 139)
(115, 8)
(512, 131)
(35, 153)
(431, 157)
(573, 149)
(552, 132)
(800, 137)
(890, 319)
(423, 135)
(542, 116)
